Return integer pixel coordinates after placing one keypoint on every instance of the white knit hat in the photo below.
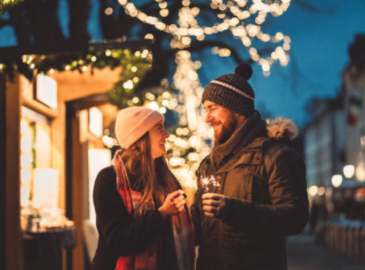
(133, 122)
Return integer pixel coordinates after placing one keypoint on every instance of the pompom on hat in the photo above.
(232, 91)
(133, 122)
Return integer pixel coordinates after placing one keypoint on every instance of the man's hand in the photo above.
(215, 205)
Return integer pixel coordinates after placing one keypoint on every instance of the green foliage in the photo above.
(133, 72)
(134, 67)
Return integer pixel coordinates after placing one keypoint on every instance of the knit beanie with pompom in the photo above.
(232, 91)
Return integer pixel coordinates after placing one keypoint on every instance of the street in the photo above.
(304, 254)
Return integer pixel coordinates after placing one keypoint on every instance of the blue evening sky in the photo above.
(319, 50)
(319, 54)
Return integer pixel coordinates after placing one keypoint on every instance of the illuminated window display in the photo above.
(39, 181)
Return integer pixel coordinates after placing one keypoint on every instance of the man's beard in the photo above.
(226, 131)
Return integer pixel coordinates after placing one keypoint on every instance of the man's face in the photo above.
(221, 119)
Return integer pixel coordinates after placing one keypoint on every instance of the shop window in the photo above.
(39, 181)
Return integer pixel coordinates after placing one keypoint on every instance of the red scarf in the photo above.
(183, 238)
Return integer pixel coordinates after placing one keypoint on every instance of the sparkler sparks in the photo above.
(210, 184)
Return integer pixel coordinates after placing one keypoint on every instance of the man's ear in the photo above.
(240, 118)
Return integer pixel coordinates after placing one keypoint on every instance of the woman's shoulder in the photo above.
(105, 184)
(106, 175)
(105, 193)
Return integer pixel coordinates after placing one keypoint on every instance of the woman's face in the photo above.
(158, 136)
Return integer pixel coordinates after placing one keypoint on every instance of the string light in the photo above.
(165, 102)
(162, 110)
(128, 85)
(240, 11)
(42, 64)
(123, 88)
(149, 36)
(154, 106)
(109, 11)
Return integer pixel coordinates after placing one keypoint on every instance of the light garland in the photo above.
(239, 11)
(135, 65)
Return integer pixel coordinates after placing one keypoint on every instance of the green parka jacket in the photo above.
(264, 177)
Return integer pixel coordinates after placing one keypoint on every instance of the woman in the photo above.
(141, 213)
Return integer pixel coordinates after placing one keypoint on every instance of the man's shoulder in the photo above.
(280, 151)
(275, 146)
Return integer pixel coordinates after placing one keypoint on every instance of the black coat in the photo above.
(265, 179)
(119, 233)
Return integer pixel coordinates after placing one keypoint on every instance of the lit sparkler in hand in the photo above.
(210, 185)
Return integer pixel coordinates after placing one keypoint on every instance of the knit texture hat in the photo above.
(232, 91)
(133, 122)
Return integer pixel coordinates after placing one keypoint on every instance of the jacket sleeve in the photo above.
(288, 212)
(195, 215)
(121, 232)
(195, 207)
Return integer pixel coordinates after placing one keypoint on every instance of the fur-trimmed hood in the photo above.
(255, 134)
(281, 128)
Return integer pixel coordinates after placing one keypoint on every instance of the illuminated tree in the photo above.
(182, 21)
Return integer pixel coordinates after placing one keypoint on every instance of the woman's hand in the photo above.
(173, 204)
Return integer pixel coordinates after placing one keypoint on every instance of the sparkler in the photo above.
(210, 184)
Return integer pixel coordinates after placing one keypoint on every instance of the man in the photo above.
(252, 187)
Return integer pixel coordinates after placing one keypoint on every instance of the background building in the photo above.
(324, 141)
(354, 87)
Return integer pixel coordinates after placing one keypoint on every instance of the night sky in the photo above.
(319, 54)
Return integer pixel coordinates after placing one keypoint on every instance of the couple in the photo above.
(142, 217)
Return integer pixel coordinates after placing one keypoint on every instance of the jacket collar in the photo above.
(253, 135)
